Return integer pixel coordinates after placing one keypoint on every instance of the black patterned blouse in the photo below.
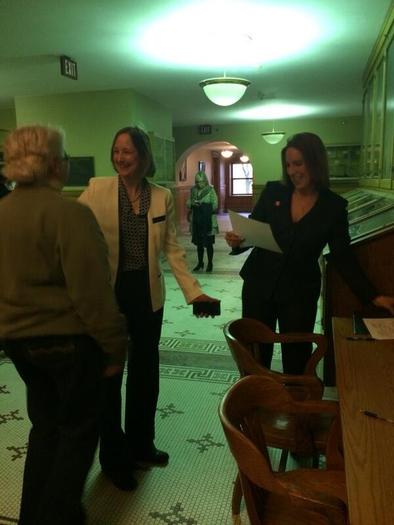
(133, 230)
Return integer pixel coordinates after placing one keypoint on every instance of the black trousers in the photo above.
(142, 382)
(63, 378)
(297, 316)
(114, 453)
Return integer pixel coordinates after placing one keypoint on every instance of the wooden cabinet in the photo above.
(377, 153)
(371, 227)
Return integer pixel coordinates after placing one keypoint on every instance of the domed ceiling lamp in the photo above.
(226, 153)
(244, 158)
(224, 91)
(273, 137)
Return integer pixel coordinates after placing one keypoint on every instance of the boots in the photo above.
(199, 266)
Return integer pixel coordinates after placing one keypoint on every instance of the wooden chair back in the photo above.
(244, 337)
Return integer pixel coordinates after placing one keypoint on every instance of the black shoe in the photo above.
(199, 266)
(121, 479)
(153, 456)
(209, 267)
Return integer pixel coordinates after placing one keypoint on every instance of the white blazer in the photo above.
(102, 197)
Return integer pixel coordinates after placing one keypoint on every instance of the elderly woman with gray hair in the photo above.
(59, 323)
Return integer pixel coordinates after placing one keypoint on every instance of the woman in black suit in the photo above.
(304, 216)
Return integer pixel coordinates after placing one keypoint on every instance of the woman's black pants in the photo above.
(63, 377)
(294, 316)
(142, 381)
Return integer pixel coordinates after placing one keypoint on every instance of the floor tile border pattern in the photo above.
(207, 375)
(193, 345)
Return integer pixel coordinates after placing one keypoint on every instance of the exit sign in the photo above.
(205, 129)
(68, 67)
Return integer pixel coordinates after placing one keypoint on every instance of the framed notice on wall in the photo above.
(81, 171)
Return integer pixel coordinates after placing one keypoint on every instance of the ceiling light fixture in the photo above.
(244, 158)
(273, 137)
(224, 91)
(226, 153)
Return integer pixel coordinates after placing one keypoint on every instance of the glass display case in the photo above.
(362, 199)
(369, 212)
(344, 160)
(379, 222)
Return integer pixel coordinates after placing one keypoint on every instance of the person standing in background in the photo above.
(203, 205)
(137, 218)
(304, 216)
(59, 323)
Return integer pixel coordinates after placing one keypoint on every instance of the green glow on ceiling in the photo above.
(274, 111)
(227, 34)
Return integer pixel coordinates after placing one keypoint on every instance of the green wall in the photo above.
(90, 119)
(266, 157)
(7, 122)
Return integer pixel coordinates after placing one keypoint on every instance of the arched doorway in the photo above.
(231, 176)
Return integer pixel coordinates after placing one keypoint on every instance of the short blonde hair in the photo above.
(29, 152)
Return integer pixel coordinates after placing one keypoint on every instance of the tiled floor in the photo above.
(196, 369)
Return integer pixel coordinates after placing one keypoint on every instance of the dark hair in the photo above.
(315, 158)
(142, 144)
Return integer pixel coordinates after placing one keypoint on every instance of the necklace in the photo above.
(301, 205)
(135, 198)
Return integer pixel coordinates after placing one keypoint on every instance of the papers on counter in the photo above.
(255, 233)
(380, 328)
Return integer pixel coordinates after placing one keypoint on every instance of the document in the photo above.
(255, 233)
(380, 328)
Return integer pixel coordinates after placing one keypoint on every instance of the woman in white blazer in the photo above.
(137, 218)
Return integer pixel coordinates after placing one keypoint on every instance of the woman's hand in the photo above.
(204, 299)
(112, 370)
(384, 301)
(233, 240)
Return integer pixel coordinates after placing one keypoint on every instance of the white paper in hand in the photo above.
(255, 233)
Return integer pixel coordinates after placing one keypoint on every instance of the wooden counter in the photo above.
(365, 381)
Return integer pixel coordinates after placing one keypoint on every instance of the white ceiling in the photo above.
(323, 48)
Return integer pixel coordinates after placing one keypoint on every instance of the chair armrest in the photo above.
(321, 502)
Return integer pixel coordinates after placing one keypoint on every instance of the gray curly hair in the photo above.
(29, 152)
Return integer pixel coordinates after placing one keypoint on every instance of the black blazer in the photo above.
(296, 272)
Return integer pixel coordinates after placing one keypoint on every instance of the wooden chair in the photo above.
(302, 435)
(244, 337)
(298, 497)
